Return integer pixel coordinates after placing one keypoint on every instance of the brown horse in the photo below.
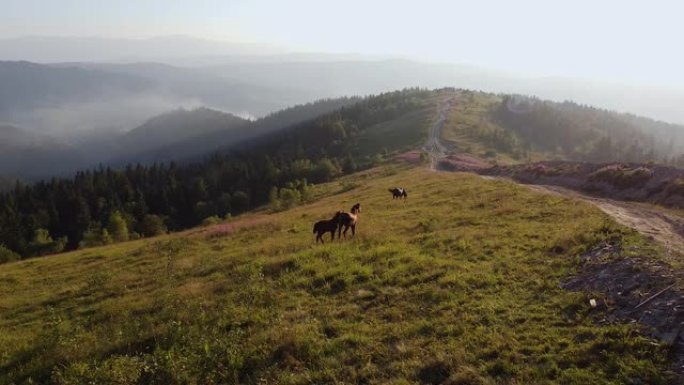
(348, 220)
(327, 226)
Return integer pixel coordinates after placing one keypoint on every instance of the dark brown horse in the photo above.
(398, 192)
(348, 220)
(327, 226)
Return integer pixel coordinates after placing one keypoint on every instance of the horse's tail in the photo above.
(315, 226)
(391, 190)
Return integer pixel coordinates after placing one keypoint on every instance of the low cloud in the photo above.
(78, 121)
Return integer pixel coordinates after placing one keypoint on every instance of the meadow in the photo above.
(459, 284)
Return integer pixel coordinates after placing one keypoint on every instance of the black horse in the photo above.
(327, 226)
(398, 193)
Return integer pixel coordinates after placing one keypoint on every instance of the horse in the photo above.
(398, 192)
(348, 220)
(327, 226)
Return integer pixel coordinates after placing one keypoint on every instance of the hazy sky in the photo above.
(631, 41)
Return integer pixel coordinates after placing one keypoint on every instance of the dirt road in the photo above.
(660, 224)
(433, 146)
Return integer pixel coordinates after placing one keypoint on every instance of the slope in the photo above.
(515, 128)
(459, 284)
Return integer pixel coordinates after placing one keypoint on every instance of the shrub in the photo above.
(95, 237)
(621, 176)
(42, 243)
(210, 221)
(289, 197)
(117, 227)
(7, 255)
(152, 225)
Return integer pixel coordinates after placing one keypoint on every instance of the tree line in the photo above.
(585, 133)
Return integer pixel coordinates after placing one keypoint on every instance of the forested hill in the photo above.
(520, 126)
(105, 205)
(228, 131)
(587, 133)
(171, 135)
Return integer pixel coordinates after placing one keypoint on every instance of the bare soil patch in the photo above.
(629, 289)
(624, 181)
(463, 162)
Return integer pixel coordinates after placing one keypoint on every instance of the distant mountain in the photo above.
(47, 49)
(224, 91)
(77, 100)
(356, 77)
(180, 125)
(191, 135)
(178, 135)
(156, 139)
(27, 86)
(285, 78)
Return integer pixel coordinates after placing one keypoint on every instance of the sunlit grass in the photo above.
(472, 112)
(459, 283)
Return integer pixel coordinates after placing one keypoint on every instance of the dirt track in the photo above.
(433, 146)
(666, 228)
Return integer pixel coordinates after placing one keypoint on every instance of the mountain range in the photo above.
(141, 101)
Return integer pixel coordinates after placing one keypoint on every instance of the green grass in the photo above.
(469, 118)
(402, 134)
(456, 285)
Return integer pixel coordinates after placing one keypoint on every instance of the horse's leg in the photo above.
(332, 235)
(353, 227)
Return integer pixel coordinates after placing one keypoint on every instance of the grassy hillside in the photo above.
(456, 285)
(401, 134)
(514, 128)
(470, 128)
